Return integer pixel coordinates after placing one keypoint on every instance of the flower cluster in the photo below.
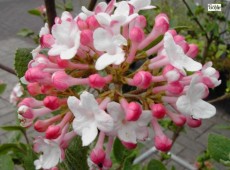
(101, 78)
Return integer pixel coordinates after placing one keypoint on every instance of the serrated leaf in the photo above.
(75, 156)
(6, 162)
(22, 58)
(155, 164)
(119, 151)
(219, 147)
(25, 32)
(2, 88)
(35, 12)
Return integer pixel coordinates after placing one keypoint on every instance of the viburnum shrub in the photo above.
(103, 77)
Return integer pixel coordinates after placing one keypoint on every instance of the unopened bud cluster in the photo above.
(128, 83)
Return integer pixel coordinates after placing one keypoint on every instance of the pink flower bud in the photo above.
(97, 81)
(142, 79)
(98, 156)
(177, 119)
(26, 112)
(57, 20)
(30, 102)
(180, 40)
(158, 110)
(92, 22)
(107, 163)
(140, 21)
(54, 168)
(171, 74)
(41, 126)
(193, 50)
(136, 34)
(86, 37)
(161, 23)
(61, 80)
(53, 132)
(133, 111)
(163, 143)
(52, 102)
(36, 74)
(172, 32)
(46, 41)
(129, 145)
(34, 89)
(82, 25)
(193, 123)
(175, 87)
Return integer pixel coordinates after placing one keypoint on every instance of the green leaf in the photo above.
(223, 127)
(6, 162)
(28, 160)
(2, 88)
(35, 12)
(25, 32)
(219, 147)
(119, 151)
(22, 58)
(128, 163)
(69, 5)
(75, 156)
(180, 28)
(155, 164)
(13, 128)
(6, 147)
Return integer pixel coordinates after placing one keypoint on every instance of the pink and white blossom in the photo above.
(89, 119)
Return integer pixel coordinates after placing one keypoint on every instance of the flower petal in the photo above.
(87, 99)
(127, 133)
(191, 65)
(145, 118)
(104, 19)
(73, 104)
(102, 39)
(203, 110)
(115, 110)
(183, 105)
(89, 134)
(107, 59)
(69, 53)
(104, 121)
(122, 9)
(141, 132)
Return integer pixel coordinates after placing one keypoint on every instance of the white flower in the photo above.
(176, 56)
(119, 18)
(67, 39)
(44, 30)
(210, 75)
(89, 117)
(105, 41)
(52, 153)
(128, 131)
(192, 104)
(16, 93)
(141, 5)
